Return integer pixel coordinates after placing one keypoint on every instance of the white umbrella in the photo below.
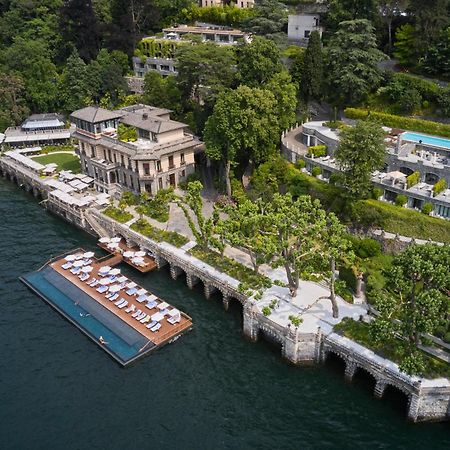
(79, 256)
(104, 269)
(114, 272)
(87, 269)
(70, 258)
(114, 288)
(104, 240)
(78, 264)
(163, 305)
(141, 292)
(113, 245)
(88, 255)
(157, 317)
(128, 254)
(122, 279)
(105, 281)
(116, 239)
(131, 285)
(140, 253)
(137, 260)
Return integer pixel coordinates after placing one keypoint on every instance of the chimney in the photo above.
(144, 116)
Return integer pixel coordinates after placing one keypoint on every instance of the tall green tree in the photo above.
(344, 10)
(74, 87)
(390, 10)
(258, 61)
(311, 77)
(162, 92)
(243, 126)
(419, 282)
(437, 58)
(270, 17)
(353, 60)
(13, 108)
(79, 27)
(404, 46)
(361, 151)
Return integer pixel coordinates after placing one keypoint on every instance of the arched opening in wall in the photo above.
(269, 341)
(364, 379)
(235, 309)
(335, 363)
(396, 399)
(112, 177)
(431, 178)
(406, 170)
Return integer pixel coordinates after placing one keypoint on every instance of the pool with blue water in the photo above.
(425, 139)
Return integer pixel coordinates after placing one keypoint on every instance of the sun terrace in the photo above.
(124, 319)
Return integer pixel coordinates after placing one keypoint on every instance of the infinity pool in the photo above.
(427, 140)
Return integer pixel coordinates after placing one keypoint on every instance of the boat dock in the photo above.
(132, 256)
(124, 319)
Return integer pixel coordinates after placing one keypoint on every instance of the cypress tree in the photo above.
(312, 74)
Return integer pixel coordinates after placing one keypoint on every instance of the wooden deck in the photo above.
(149, 262)
(163, 335)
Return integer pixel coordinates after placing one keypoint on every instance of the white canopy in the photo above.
(396, 174)
(174, 313)
(141, 291)
(131, 285)
(137, 260)
(87, 269)
(128, 254)
(105, 281)
(114, 272)
(88, 254)
(104, 240)
(122, 279)
(112, 245)
(70, 258)
(116, 239)
(78, 264)
(163, 305)
(104, 269)
(114, 288)
(79, 256)
(157, 317)
(140, 253)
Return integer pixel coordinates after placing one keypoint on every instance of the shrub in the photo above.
(126, 133)
(439, 187)
(334, 124)
(446, 338)
(129, 198)
(413, 179)
(300, 164)
(366, 247)
(341, 290)
(427, 208)
(401, 122)
(267, 311)
(316, 171)
(377, 193)
(144, 228)
(295, 320)
(401, 200)
(117, 214)
(237, 191)
(189, 179)
(317, 151)
(347, 275)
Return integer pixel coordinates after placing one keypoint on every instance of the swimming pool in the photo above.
(427, 140)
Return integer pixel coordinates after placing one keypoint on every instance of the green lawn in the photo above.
(65, 161)
(172, 237)
(117, 214)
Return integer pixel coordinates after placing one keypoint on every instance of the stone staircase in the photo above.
(92, 221)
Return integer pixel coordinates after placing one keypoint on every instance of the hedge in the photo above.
(439, 187)
(317, 151)
(404, 123)
(413, 179)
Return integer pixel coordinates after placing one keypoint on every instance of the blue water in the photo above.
(211, 389)
(93, 327)
(427, 140)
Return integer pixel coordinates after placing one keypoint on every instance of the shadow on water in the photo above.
(364, 381)
(335, 364)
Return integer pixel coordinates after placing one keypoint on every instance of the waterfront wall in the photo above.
(427, 399)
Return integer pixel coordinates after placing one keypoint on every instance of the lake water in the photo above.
(211, 389)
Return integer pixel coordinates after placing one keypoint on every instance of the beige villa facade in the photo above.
(159, 153)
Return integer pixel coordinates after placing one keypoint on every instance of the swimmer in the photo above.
(102, 341)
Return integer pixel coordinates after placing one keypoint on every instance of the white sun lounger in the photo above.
(131, 308)
(156, 327)
(137, 313)
(67, 265)
(173, 320)
(121, 300)
(140, 316)
(123, 304)
(113, 297)
(145, 319)
(151, 325)
(102, 289)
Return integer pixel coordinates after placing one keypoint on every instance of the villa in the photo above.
(416, 165)
(38, 129)
(137, 148)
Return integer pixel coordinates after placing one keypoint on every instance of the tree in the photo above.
(353, 60)
(404, 49)
(258, 61)
(285, 93)
(12, 103)
(74, 88)
(204, 70)
(389, 10)
(311, 77)
(437, 58)
(419, 281)
(202, 228)
(361, 150)
(245, 228)
(297, 227)
(162, 91)
(79, 26)
(344, 10)
(269, 17)
(243, 126)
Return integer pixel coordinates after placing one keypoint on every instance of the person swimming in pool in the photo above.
(102, 341)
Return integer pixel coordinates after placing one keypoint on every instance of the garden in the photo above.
(64, 161)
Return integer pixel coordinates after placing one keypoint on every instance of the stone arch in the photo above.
(365, 377)
(431, 178)
(406, 170)
(334, 360)
(398, 397)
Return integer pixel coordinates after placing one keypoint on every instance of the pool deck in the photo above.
(149, 262)
(154, 339)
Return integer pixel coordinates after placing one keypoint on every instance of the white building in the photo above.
(300, 26)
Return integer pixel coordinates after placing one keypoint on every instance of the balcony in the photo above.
(104, 164)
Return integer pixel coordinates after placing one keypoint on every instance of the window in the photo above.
(109, 155)
(307, 33)
(92, 152)
(182, 161)
(158, 166)
(146, 168)
(160, 183)
(183, 173)
(129, 164)
(122, 161)
(171, 164)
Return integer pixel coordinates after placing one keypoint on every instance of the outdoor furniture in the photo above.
(121, 300)
(151, 324)
(67, 265)
(163, 305)
(131, 284)
(131, 308)
(102, 289)
(157, 317)
(142, 291)
(174, 316)
(122, 305)
(75, 270)
(131, 291)
(141, 298)
(84, 277)
(156, 327)
(141, 316)
(151, 305)
(113, 297)
(152, 297)
(137, 313)
(145, 319)
(94, 283)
